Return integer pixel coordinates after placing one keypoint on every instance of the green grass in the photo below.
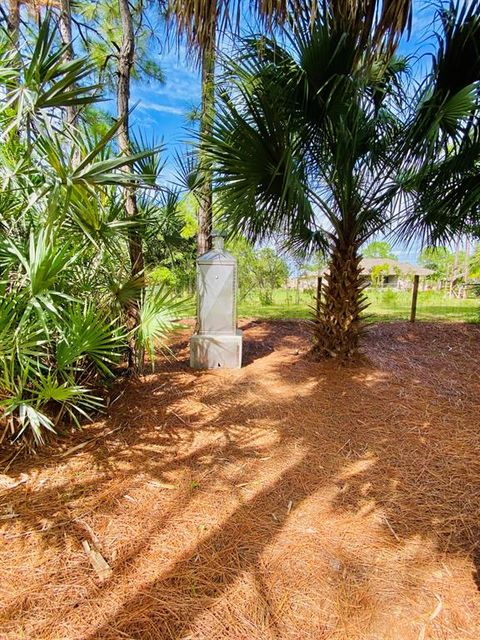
(385, 306)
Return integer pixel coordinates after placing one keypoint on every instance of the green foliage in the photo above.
(439, 260)
(379, 249)
(162, 275)
(378, 272)
(475, 264)
(390, 297)
(159, 314)
(43, 81)
(65, 292)
(170, 246)
(100, 27)
(259, 270)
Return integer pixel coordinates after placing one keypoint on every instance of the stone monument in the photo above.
(217, 343)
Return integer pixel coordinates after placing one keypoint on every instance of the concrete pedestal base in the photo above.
(216, 351)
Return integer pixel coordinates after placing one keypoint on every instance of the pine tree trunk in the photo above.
(13, 31)
(13, 25)
(125, 63)
(65, 27)
(338, 328)
(208, 105)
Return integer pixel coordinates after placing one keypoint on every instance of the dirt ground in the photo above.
(285, 500)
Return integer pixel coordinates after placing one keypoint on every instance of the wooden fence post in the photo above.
(413, 312)
(319, 295)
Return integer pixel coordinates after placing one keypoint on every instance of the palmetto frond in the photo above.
(63, 238)
(447, 200)
(23, 344)
(261, 182)
(149, 163)
(160, 314)
(29, 394)
(36, 86)
(445, 134)
(450, 98)
(88, 334)
(199, 20)
(42, 267)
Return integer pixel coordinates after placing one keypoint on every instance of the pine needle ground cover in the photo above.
(286, 500)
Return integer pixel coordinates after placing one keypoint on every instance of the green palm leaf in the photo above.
(160, 312)
(88, 334)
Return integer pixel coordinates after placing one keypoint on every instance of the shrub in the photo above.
(390, 297)
(66, 294)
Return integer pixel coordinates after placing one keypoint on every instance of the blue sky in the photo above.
(161, 110)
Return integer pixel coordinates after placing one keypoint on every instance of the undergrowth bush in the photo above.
(65, 283)
(390, 297)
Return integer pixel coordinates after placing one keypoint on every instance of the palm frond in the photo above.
(87, 333)
(160, 314)
(45, 81)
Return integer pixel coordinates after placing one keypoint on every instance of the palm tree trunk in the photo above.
(65, 27)
(208, 105)
(125, 63)
(338, 328)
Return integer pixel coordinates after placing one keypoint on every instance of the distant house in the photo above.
(382, 272)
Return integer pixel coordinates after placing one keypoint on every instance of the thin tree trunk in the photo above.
(338, 328)
(125, 63)
(466, 266)
(65, 27)
(13, 25)
(454, 268)
(208, 105)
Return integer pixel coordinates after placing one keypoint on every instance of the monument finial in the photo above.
(218, 240)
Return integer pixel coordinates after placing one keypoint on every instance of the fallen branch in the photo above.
(77, 447)
(98, 562)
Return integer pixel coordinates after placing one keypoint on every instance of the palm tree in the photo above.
(203, 24)
(315, 141)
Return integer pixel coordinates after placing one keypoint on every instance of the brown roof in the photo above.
(394, 266)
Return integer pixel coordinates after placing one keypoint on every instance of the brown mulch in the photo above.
(285, 500)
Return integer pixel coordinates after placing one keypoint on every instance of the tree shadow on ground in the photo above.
(259, 458)
(269, 336)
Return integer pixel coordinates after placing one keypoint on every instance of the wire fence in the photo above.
(386, 304)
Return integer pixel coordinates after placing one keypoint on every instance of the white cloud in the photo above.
(146, 105)
(180, 93)
(182, 83)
